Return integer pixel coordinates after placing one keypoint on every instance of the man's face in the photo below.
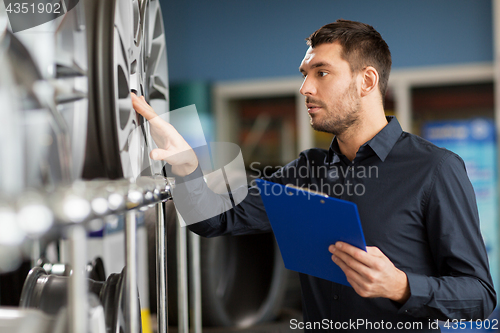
(330, 89)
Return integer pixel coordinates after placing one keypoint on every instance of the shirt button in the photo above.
(335, 297)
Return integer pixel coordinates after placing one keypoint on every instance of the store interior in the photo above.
(237, 63)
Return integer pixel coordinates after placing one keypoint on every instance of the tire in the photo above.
(114, 115)
(129, 54)
(49, 293)
(243, 278)
(55, 53)
(36, 124)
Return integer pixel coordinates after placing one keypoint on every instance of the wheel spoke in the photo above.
(137, 62)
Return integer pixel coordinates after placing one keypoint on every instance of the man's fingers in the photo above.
(142, 107)
(178, 157)
(374, 251)
(370, 273)
(350, 273)
(348, 260)
(354, 252)
(357, 287)
(159, 154)
(358, 276)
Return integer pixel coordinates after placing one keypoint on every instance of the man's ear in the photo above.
(369, 81)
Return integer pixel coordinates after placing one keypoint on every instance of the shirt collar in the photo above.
(381, 143)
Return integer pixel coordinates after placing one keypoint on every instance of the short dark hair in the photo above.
(361, 45)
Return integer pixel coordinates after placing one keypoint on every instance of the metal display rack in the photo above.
(71, 209)
(96, 53)
(68, 116)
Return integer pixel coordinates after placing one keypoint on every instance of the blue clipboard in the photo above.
(306, 223)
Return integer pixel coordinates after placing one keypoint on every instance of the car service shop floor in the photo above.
(281, 325)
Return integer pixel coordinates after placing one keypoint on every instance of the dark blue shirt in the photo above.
(416, 204)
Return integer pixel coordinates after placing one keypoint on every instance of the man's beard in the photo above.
(343, 116)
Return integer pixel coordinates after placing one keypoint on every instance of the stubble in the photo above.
(344, 115)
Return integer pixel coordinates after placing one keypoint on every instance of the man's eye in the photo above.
(322, 74)
(304, 75)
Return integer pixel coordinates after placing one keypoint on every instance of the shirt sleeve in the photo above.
(463, 288)
(248, 217)
(210, 214)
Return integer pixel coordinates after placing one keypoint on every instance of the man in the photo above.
(425, 258)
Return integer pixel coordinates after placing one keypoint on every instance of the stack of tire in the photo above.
(68, 115)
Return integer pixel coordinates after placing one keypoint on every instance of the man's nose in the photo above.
(307, 87)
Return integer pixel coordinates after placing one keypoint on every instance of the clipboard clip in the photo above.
(306, 190)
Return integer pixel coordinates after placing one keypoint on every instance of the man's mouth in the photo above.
(312, 108)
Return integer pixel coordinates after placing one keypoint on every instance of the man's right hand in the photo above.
(172, 148)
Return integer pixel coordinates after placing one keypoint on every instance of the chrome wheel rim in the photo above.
(71, 69)
(127, 56)
(156, 84)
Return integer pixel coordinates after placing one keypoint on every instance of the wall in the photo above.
(244, 39)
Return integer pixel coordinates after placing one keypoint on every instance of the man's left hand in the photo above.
(371, 273)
